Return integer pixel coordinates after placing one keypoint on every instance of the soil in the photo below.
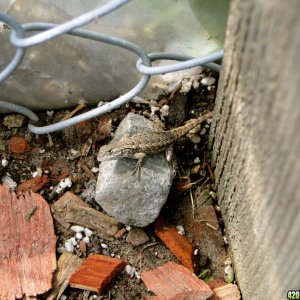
(190, 203)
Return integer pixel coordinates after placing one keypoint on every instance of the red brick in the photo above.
(175, 282)
(216, 283)
(17, 144)
(96, 272)
(33, 184)
(178, 244)
(27, 244)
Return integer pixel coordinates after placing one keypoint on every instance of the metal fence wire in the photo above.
(51, 31)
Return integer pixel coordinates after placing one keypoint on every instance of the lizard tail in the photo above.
(181, 131)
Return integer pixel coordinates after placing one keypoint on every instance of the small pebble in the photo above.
(180, 229)
(128, 227)
(208, 81)
(196, 251)
(228, 270)
(203, 131)
(77, 228)
(9, 181)
(164, 111)
(137, 236)
(195, 138)
(79, 235)
(213, 195)
(4, 163)
(73, 241)
(130, 270)
(86, 239)
(88, 232)
(228, 262)
(104, 246)
(197, 160)
(50, 113)
(69, 246)
(63, 297)
(95, 170)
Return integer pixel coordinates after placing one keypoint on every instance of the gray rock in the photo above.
(131, 200)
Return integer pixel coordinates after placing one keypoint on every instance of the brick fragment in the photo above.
(33, 184)
(96, 272)
(178, 244)
(175, 282)
(17, 145)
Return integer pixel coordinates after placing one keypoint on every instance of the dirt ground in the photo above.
(72, 153)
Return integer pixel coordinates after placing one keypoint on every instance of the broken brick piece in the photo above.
(17, 144)
(96, 272)
(226, 292)
(178, 244)
(27, 244)
(175, 282)
(33, 184)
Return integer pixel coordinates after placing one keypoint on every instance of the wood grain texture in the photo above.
(256, 145)
(27, 245)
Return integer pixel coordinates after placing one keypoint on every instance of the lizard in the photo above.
(139, 145)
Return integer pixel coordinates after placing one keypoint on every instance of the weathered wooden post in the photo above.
(256, 145)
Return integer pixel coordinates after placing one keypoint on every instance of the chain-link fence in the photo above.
(51, 31)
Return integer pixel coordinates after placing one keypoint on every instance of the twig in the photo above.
(146, 247)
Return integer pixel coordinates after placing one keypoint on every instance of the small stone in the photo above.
(180, 229)
(95, 170)
(207, 81)
(104, 246)
(77, 228)
(137, 237)
(88, 232)
(9, 182)
(69, 246)
(79, 235)
(14, 121)
(203, 131)
(73, 154)
(73, 241)
(4, 163)
(195, 138)
(63, 297)
(197, 160)
(86, 239)
(130, 270)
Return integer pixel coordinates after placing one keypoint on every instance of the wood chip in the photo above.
(226, 292)
(34, 184)
(96, 272)
(67, 264)
(105, 227)
(27, 244)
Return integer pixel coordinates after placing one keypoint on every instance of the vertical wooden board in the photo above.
(27, 244)
(256, 145)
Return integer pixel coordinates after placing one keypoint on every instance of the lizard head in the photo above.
(113, 151)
